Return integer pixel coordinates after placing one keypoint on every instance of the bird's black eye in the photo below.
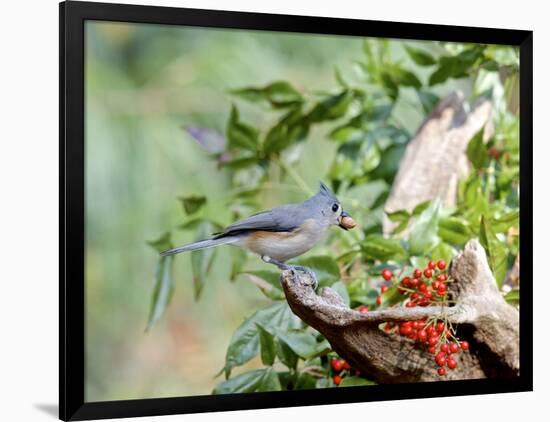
(335, 207)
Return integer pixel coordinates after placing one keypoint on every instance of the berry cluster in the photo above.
(423, 288)
(340, 368)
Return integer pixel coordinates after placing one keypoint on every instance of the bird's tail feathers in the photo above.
(201, 244)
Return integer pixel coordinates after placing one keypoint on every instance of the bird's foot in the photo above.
(293, 269)
(309, 272)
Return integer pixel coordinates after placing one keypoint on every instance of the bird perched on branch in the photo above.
(282, 233)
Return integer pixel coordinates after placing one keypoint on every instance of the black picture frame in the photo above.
(72, 16)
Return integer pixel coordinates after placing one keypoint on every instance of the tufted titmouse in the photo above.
(281, 233)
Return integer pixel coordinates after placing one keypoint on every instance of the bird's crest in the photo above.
(325, 191)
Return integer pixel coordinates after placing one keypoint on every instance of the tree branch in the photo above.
(486, 321)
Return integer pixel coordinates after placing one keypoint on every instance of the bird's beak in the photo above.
(345, 221)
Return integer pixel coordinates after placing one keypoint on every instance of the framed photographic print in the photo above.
(266, 210)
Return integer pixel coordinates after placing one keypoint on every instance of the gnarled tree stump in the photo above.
(485, 319)
(435, 158)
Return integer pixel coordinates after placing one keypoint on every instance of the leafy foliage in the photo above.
(360, 119)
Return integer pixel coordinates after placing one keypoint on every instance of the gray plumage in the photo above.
(309, 220)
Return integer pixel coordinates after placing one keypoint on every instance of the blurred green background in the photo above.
(143, 84)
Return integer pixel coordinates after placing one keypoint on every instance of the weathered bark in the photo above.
(484, 319)
(435, 158)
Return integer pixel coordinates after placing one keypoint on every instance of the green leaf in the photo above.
(420, 57)
(389, 163)
(249, 382)
(389, 85)
(280, 94)
(423, 237)
(267, 281)
(512, 297)
(454, 230)
(301, 343)
(245, 342)
(290, 129)
(325, 268)
(496, 251)
(239, 258)
(240, 163)
(398, 216)
(427, 100)
(331, 108)
(191, 204)
(420, 208)
(379, 248)
(267, 345)
(456, 66)
(305, 381)
(241, 135)
(443, 251)
(202, 260)
(355, 381)
(477, 151)
(342, 291)
(286, 355)
(162, 291)
(163, 243)
(504, 222)
(403, 77)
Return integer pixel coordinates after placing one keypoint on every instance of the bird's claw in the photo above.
(309, 272)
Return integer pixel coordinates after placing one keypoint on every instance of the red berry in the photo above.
(337, 364)
(422, 287)
(431, 350)
(444, 348)
(346, 366)
(387, 327)
(384, 289)
(410, 305)
(378, 300)
(440, 326)
(441, 371)
(406, 282)
(422, 335)
(432, 341)
(441, 291)
(451, 363)
(454, 347)
(414, 282)
(442, 278)
(440, 360)
(428, 295)
(436, 285)
(386, 274)
(430, 330)
(464, 345)
(363, 309)
(432, 265)
(417, 273)
(337, 379)
(441, 264)
(428, 273)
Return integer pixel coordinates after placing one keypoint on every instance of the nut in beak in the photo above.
(346, 222)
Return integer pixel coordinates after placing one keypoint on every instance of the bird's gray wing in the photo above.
(283, 218)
